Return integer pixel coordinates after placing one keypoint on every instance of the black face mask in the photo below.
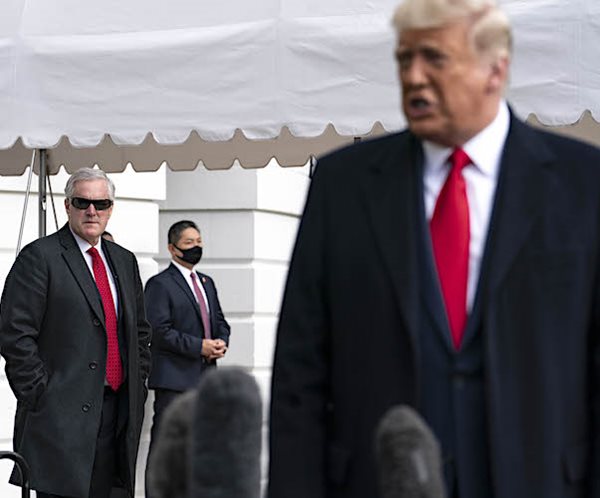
(191, 255)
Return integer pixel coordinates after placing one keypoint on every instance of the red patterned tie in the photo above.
(114, 369)
(450, 237)
(202, 304)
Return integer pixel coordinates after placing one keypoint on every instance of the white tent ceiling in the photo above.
(187, 81)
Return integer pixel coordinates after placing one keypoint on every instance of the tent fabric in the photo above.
(86, 69)
(151, 74)
(149, 155)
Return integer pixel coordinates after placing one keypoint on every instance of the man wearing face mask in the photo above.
(190, 331)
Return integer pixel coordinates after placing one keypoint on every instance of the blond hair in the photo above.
(490, 27)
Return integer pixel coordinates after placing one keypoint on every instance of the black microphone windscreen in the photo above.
(168, 462)
(227, 435)
(408, 456)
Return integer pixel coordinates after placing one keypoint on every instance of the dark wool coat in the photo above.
(53, 339)
(349, 343)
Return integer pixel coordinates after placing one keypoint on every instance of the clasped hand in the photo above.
(213, 349)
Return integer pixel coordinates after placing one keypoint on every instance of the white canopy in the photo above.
(192, 81)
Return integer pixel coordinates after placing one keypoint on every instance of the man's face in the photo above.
(449, 93)
(89, 223)
(190, 237)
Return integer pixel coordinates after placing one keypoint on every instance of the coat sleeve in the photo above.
(165, 336)
(300, 383)
(222, 329)
(143, 327)
(22, 312)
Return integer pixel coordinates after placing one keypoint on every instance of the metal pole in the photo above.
(312, 166)
(23, 469)
(42, 195)
(52, 202)
(27, 192)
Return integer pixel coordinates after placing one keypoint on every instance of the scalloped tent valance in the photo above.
(145, 81)
(149, 154)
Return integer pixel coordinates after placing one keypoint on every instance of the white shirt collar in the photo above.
(84, 245)
(484, 149)
(184, 271)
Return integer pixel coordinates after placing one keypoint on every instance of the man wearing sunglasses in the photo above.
(74, 335)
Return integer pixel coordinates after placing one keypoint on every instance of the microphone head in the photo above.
(168, 463)
(408, 456)
(226, 436)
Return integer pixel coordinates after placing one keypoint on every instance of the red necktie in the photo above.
(202, 304)
(450, 238)
(114, 369)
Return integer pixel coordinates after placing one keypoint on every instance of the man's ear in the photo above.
(498, 77)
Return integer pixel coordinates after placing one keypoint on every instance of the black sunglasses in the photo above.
(99, 204)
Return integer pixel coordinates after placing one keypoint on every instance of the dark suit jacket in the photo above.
(173, 312)
(53, 338)
(348, 345)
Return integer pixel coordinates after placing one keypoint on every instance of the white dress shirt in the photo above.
(188, 278)
(481, 177)
(84, 245)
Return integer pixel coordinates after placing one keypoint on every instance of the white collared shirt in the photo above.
(188, 278)
(84, 245)
(481, 177)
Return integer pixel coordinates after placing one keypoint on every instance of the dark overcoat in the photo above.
(348, 345)
(53, 338)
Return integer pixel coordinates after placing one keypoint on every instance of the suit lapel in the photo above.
(76, 263)
(179, 280)
(391, 203)
(524, 187)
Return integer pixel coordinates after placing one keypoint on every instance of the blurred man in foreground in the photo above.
(453, 267)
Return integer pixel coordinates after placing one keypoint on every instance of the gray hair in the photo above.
(490, 26)
(86, 175)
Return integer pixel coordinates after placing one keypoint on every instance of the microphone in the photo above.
(168, 462)
(408, 456)
(226, 436)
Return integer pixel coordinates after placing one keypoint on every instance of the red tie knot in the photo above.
(459, 159)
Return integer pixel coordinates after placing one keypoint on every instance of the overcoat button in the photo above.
(93, 365)
(86, 408)
(96, 322)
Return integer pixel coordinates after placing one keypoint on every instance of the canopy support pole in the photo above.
(52, 202)
(27, 192)
(42, 195)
